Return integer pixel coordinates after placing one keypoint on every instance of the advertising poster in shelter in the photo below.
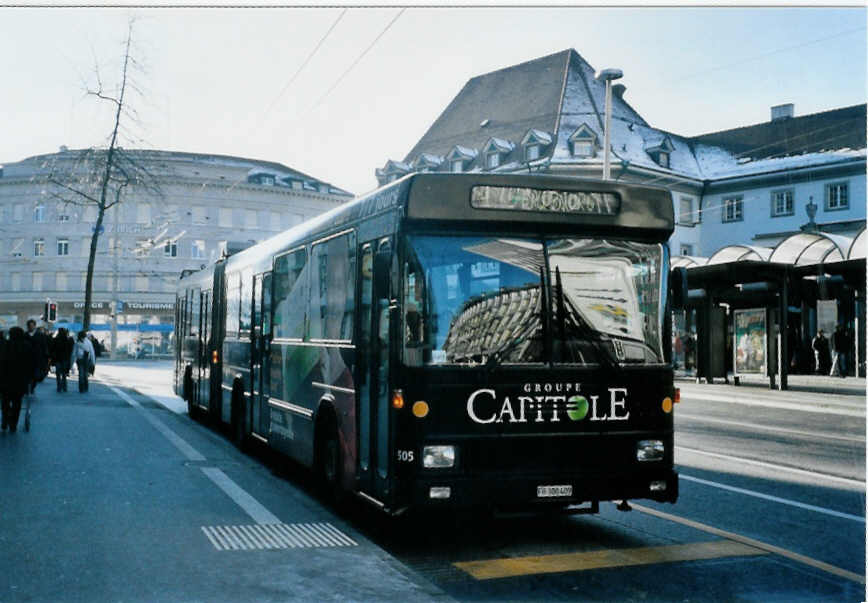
(827, 315)
(750, 341)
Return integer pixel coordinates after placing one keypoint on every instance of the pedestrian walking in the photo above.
(39, 343)
(820, 345)
(839, 360)
(19, 365)
(61, 356)
(85, 360)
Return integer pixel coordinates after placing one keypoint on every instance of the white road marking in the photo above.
(250, 505)
(776, 499)
(276, 536)
(744, 461)
(813, 434)
(188, 451)
(821, 407)
(244, 500)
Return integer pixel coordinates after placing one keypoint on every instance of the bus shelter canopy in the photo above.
(857, 248)
(740, 253)
(811, 248)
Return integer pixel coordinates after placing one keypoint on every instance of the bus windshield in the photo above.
(473, 300)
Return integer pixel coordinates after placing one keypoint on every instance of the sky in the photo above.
(336, 92)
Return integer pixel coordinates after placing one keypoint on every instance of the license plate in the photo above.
(553, 491)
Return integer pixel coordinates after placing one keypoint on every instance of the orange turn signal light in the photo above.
(420, 409)
(677, 397)
(397, 399)
(214, 357)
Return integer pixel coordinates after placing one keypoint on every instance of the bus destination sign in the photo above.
(531, 199)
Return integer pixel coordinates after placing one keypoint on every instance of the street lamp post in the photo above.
(608, 75)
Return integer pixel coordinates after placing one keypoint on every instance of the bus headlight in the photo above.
(649, 450)
(438, 457)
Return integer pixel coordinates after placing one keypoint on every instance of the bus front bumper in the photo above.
(529, 492)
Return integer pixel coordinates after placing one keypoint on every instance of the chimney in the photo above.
(619, 90)
(780, 112)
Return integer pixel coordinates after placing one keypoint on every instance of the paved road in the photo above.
(772, 508)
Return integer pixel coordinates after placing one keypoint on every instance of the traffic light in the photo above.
(50, 313)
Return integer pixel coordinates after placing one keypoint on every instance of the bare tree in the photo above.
(102, 177)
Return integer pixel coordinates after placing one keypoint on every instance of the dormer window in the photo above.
(427, 162)
(531, 152)
(583, 142)
(459, 158)
(663, 159)
(534, 143)
(266, 180)
(495, 150)
(660, 149)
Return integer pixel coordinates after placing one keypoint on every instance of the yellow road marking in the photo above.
(576, 562)
(837, 571)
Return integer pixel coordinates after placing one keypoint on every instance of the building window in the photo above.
(837, 196)
(15, 285)
(250, 220)
(531, 152)
(733, 209)
(197, 251)
(142, 248)
(62, 212)
(782, 203)
(143, 213)
(492, 160)
(298, 185)
(457, 166)
(274, 221)
(141, 283)
(18, 213)
(199, 216)
(224, 217)
(686, 249)
(62, 246)
(16, 251)
(39, 213)
(38, 247)
(170, 250)
(85, 247)
(37, 281)
(685, 213)
(60, 281)
(89, 213)
(583, 148)
(266, 180)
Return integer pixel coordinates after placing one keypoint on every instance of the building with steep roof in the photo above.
(206, 203)
(751, 185)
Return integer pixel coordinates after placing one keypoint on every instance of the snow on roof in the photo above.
(543, 137)
(466, 152)
(718, 164)
(501, 144)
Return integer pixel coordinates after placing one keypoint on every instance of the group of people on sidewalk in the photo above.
(25, 358)
(833, 363)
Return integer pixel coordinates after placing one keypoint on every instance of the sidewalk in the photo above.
(823, 384)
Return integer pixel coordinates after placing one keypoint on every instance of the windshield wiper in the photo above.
(567, 309)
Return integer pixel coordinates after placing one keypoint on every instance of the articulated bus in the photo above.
(452, 341)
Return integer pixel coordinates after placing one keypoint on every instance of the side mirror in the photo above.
(678, 288)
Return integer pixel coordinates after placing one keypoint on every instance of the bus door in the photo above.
(204, 381)
(372, 368)
(261, 341)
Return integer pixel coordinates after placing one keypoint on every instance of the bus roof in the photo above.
(540, 202)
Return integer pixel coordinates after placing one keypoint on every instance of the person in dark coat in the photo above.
(61, 355)
(820, 345)
(39, 343)
(18, 368)
(839, 358)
